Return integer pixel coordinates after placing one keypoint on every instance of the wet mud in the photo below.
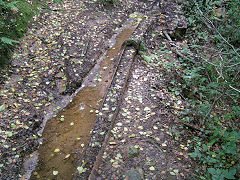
(66, 135)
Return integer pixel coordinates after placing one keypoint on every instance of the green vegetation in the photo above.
(210, 76)
(14, 19)
(207, 76)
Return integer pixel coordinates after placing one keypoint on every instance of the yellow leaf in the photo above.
(152, 168)
(67, 156)
(57, 150)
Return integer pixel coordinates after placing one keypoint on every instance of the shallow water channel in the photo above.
(68, 133)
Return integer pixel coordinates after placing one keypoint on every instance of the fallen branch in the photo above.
(194, 55)
(207, 61)
(192, 127)
(167, 36)
(211, 108)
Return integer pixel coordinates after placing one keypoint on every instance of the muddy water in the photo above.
(68, 132)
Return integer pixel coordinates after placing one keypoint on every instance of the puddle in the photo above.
(66, 134)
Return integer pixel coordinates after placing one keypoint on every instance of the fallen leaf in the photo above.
(81, 169)
(152, 168)
(55, 173)
(112, 143)
(164, 144)
(67, 156)
(147, 109)
(57, 150)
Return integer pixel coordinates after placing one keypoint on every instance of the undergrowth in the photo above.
(209, 82)
(206, 75)
(15, 17)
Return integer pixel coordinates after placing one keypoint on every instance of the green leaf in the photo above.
(81, 169)
(213, 141)
(176, 171)
(230, 174)
(9, 133)
(230, 148)
(147, 58)
(8, 41)
(12, 5)
(2, 107)
(58, 1)
(211, 171)
(196, 153)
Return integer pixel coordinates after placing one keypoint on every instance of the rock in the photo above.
(135, 174)
(132, 151)
(179, 30)
(59, 75)
(61, 85)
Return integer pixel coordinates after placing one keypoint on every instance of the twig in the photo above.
(206, 60)
(224, 92)
(211, 108)
(213, 26)
(180, 54)
(221, 75)
(167, 36)
(233, 65)
(182, 96)
(234, 88)
(86, 47)
(192, 127)
(209, 78)
(236, 75)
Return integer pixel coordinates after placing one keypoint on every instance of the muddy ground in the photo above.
(58, 52)
(144, 141)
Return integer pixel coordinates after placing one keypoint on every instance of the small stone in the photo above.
(132, 151)
(59, 75)
(61, 86)
(135, 174)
